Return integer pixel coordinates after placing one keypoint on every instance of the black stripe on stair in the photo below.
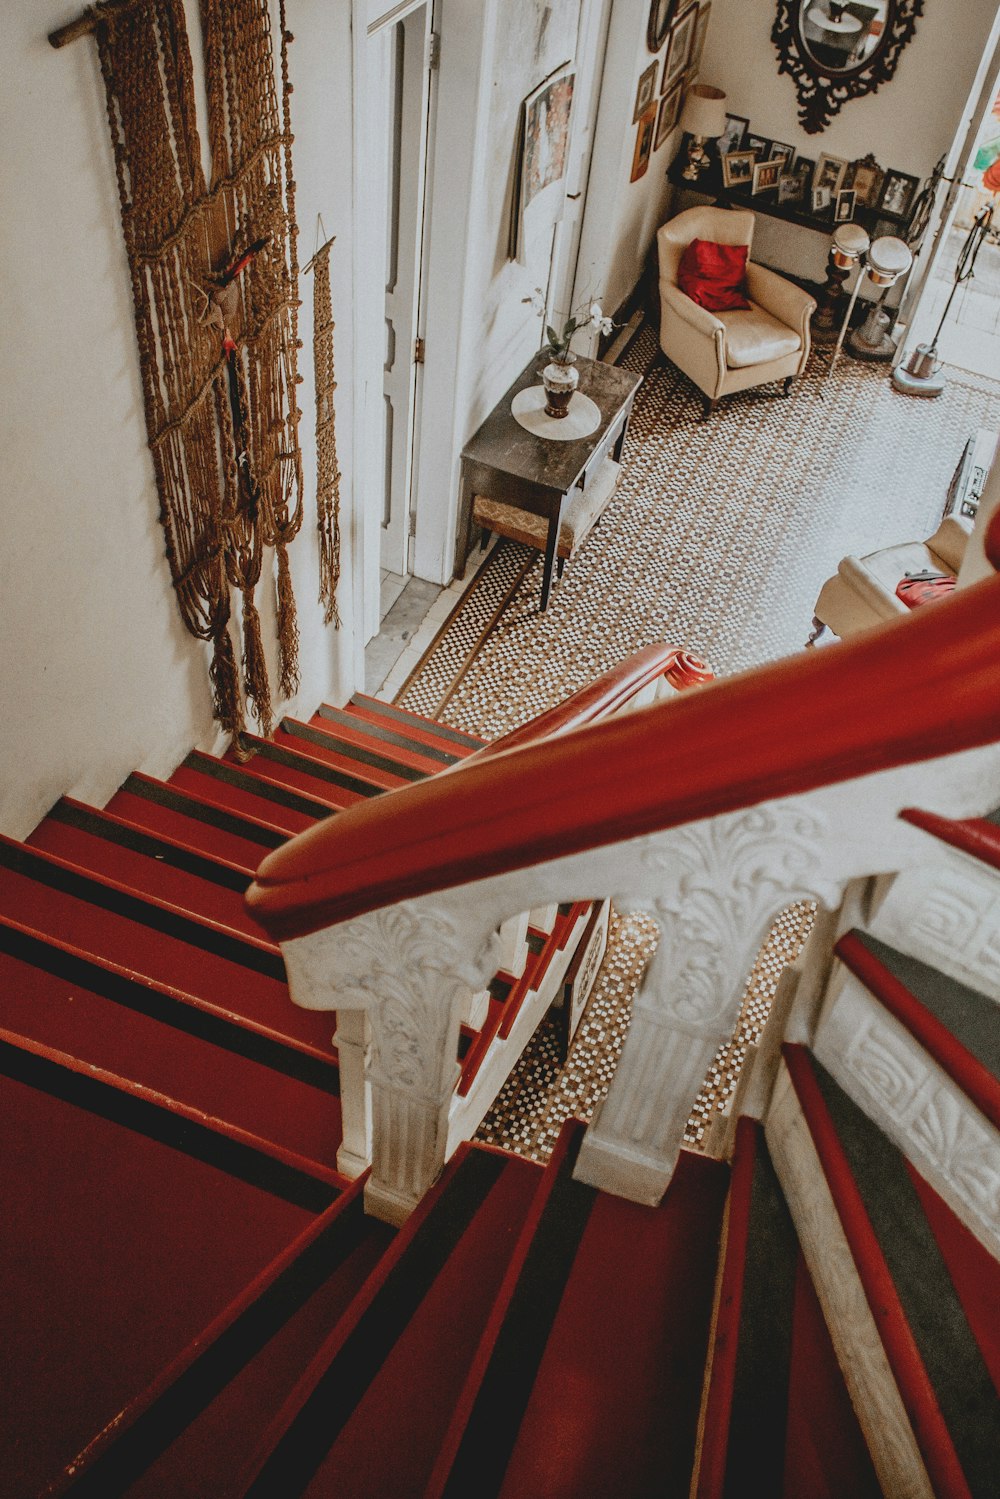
(386, 735)
(401, 716)
(200, 1141)
(163, 795)
(139, 1445)
(271, 791)
(759, 1411)
(89, 820)
(351, 751)
(358, 1359)
(169, 1007)
(320, 770)
(947, 1347)
(968, 1015)
(495, 1420)
(159, 917)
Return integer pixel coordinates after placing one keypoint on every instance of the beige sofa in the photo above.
(723, 352)
(863, 592)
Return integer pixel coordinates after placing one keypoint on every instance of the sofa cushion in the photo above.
(713, 275)
(755, 337)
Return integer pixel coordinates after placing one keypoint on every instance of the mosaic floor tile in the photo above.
(719, 538)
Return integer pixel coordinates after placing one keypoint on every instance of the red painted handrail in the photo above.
(926, 684)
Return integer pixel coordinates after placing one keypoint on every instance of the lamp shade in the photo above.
(704, 111)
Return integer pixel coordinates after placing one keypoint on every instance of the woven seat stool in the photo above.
(583, 509)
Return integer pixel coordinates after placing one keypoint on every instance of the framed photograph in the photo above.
(647, 88)
(661, 14)
(805, 168)
(829, 173)
(731, 138)
(766, 175)
(670, 113)
(866, 179)
(780, 152)
(698, 41)
(758, 144)
(679, 47)
(643, 144)
(821, 199)
(844, 209)
(898, 192)
(790, 188)
(737, 168)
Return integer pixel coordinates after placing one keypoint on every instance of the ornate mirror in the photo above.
(661, 13)
(837, 51)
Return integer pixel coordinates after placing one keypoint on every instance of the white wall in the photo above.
(908, 124)
(98, 674)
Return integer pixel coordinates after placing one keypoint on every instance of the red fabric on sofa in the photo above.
(713, 275)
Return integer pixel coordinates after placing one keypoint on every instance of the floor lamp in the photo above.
(888, 258)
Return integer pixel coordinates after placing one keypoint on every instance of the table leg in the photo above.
(616, 451)
(550, 557)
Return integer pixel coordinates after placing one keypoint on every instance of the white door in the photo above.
(406, 75)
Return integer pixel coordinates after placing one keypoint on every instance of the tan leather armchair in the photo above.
(723, 352)
(863, 591)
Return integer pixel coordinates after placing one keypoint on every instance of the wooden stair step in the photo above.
(275, 763)
(371, 1410)
(61, 1005)
(167, 812)
(933, 1350)
(237, 978)
(123, 1240)
(229, 787)
(104, 844)
(414, 726)
(343, 743)
(186, 1436)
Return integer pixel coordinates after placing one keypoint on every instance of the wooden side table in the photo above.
(504, 462)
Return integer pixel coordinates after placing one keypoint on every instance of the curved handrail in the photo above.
(927, 684)
(605, 695)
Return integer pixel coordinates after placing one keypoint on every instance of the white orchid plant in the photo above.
(587, 315)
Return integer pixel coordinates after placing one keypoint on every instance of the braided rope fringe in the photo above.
(327, 470)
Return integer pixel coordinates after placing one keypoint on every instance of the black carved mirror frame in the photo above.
(824, 91)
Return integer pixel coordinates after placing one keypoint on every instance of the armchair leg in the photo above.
(786, 389)
(709, 406)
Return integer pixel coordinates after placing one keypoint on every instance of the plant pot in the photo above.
(560, 378)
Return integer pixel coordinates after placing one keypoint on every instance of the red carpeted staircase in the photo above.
(196, 1306)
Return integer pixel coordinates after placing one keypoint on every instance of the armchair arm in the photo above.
(699, 317)
(883, 603)
(782, 299)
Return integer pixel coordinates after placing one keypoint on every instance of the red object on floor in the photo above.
(615, 1405)
(826, 1454)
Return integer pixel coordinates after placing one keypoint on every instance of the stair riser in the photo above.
(330, 755)
(911, 1098)
(163, 810)
(253, 800)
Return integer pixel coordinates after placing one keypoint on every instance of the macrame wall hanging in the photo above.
(327, 472)
(215, 287)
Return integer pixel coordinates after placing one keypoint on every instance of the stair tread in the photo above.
(229, 787)
(63, 1013)
(451, 1250)
(119, 1249)
(418, 721)
(935, 1357)
(158, 805)
(347, 741)
(273, 761)
(418, 736)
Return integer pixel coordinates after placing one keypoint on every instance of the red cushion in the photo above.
(713, 275)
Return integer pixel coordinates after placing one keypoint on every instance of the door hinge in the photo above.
(433, 51)
(418, 351)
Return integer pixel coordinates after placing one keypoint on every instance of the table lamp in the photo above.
(703, 118)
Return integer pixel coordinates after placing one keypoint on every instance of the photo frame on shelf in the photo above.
(804, 168)
(899, 191)
(758, 144)
(865, 177)
(679, 48)
(737, 168)
(766, 176)
(731, 138)
(670, 113)
(822, 198)
(845, 204)
(643, 144)
(645, 90)
(781, 152)
(829, 173)
(790, 188)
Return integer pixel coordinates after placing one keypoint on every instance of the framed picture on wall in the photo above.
(643, 144)
(679, 46)
(645, 91)
(670, 113)
(698, 41)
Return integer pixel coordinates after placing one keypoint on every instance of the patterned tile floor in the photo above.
(718, 538)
